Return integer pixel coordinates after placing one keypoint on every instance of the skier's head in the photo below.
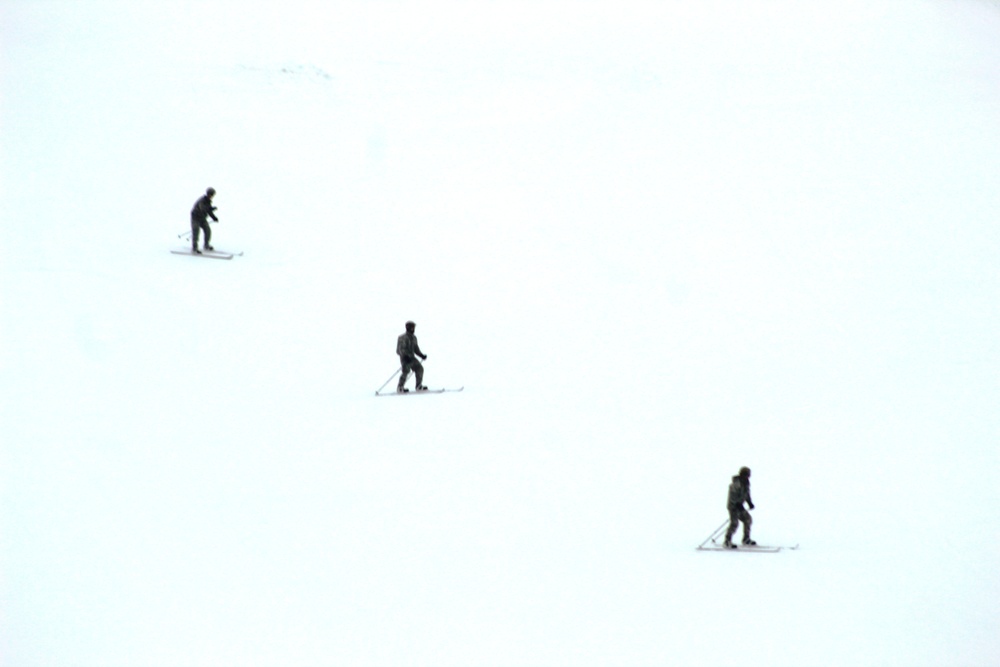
(745, 472)
(210, 192)
(410, 327)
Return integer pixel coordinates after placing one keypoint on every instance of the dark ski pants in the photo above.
(197, 226)
(411, 365)
(737, 514)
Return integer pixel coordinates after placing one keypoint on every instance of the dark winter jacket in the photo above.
(202, 210)
(739, 493)
(407, 348)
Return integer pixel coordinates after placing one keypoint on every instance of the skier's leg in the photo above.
(418, 370)
(195, 229)
(404, 373)
(208, 235)
(747, 522)
(734, 522)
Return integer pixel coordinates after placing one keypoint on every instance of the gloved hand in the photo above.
(751, 505)
(424, 357)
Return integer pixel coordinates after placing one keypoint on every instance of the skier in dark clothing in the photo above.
(202, 211)
(739, 493)
(408, 351)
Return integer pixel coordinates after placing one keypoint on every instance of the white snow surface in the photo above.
(654, 241)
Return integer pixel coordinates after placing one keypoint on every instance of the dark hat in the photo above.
(744, 471)
(210, 192)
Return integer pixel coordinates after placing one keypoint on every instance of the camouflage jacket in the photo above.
(739, 493)
(407, 348)
(203, 209)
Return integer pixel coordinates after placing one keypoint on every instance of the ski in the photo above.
(745, 548)
(393, 392)
(757, 549)
(211, 254)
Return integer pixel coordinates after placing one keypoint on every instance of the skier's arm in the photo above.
(204, 209)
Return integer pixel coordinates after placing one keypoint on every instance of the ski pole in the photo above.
(388, 381)
(715, 533)
(720, 530)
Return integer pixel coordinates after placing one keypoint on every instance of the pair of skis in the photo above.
(393, 392)
(210, 254)
(711, 544)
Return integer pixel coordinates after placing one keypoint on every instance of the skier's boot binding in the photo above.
(748, 542)
(421, 387)
(729, 545)
(401, 390)
(208, 247)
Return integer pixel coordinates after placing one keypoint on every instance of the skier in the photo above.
(202, 210)
(739, 492)
(408, 351)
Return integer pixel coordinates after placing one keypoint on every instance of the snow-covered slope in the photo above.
(655, 242)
